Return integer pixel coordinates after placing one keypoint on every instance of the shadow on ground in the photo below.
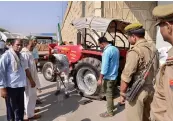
(50, 86)
(119, 108)
(57, 106)
(3, 118)
(86, 119)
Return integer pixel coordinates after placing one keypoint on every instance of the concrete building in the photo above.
(136, 11)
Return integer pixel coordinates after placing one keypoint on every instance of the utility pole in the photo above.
(59, 31)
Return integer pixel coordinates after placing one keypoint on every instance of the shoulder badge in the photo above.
(171, 82)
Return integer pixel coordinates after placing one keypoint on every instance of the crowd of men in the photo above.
(19, 80)
(153, 102)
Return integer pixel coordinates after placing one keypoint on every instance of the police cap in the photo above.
(163, 13)
(134, 28)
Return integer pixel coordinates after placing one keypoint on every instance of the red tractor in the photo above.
(85, 57)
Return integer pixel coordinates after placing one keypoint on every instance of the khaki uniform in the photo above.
(140, 54)
(162, 105)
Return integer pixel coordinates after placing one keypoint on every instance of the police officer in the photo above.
(162, 104)
(140, 53)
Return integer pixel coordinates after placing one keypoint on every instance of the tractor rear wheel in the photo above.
(48, 73)
(87, 74)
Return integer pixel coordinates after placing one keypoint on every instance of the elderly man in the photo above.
(30, 90)
(13, 81)
(140, 54)
(162, 104)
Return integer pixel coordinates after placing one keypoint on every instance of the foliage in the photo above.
(3, 30)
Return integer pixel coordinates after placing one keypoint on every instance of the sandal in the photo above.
(35, 117)
(36, 110)
(106, 114)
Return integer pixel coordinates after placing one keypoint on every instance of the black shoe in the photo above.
(57, 92)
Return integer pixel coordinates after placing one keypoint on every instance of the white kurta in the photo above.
(30, 93)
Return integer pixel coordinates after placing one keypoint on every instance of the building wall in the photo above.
(75, 10)
(136, 11)
(125, 10)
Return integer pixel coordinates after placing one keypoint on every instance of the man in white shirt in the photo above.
(13, 81)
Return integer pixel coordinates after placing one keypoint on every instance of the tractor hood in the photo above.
(100, 24)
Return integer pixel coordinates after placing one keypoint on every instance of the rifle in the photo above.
(139, 81)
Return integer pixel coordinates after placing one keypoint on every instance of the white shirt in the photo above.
(163, 54)
(31, 65)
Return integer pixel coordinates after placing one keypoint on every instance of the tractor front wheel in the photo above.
(87, 74)
(48, 73)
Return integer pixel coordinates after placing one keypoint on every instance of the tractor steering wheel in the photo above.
(90, 44)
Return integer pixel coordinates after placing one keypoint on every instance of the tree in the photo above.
(3, 30)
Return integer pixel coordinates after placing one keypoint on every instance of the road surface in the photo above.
(56, 108)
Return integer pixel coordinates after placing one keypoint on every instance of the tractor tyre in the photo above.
(48, 73)
(87, 73)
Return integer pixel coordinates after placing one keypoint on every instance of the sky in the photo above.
(31, 17)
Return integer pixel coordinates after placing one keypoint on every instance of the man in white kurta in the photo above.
(30, 93)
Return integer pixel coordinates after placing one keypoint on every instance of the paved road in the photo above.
(56, 108)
